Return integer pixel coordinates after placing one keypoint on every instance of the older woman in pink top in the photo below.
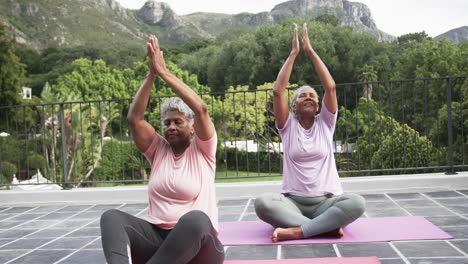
(312, 201)
(182, 223)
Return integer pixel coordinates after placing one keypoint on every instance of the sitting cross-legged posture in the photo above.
(182, 221)
(312, 201)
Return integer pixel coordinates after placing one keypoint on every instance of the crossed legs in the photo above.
(128, 239)
(296, 217)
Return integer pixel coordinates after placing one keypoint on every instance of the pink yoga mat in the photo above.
(362, 230)
(368, 260)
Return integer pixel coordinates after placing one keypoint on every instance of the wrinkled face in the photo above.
(306, 102)
(177, 129)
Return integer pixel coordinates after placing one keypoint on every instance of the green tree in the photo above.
(367, 76)
(12, 72)
(328, 19)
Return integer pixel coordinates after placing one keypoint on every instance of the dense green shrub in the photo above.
(7, 170)
(262, 161)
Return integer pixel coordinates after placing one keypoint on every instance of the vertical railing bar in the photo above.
(64, 147)
(245, 135)
(450, 127)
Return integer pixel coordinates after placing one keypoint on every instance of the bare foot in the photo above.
(281, 234)
(338, 233)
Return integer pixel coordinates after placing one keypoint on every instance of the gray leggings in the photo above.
(192, 240)
(315, 215)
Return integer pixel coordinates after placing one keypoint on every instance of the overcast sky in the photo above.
(396, 17)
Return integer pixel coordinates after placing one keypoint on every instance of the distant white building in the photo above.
(26, 93)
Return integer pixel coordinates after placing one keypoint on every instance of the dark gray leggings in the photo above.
(315, 215)
(192, 240)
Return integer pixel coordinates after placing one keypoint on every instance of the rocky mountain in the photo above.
(457, 35)
(44, 23)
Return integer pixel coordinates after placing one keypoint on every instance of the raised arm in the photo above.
(326, 79)
(280, 103)
(142, 132)
(203, 125)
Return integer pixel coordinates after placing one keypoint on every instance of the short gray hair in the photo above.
(176, 104)
(298, 91)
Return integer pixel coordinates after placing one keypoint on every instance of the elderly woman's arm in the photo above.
(280, 103)
(203, 126)
(142, 132)
(325, 77)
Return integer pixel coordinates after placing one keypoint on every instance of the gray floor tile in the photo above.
(7, 225)
(52, 232)
(3, 241)
(381, 250)
(386, 213)
(69, 243)
(459, 232)
(6, 255)
(56, 216)
(250, 217)
(88, 215)
(137, 206)
(73, 223)
(381, 205)
(16, 210)
(95, 223)
(74, 208)
(42, 257)
(392, 261)
(463, 201)
(97, 244)
(375, 197)
(104, 207)
(420, 249)
(429, 211)
(459, 209)
(37, 224)
(447, 220)
(16, 233)
(228, 217)
(85, 232)
(25, 216)
(250, 209)
(46, 209)
(230, 209)
(238, 202)
(3, 209)
(307, 251)
(250, 252)
(5, 216)
(439, 261)
(443, 194)
(85, 256)
(405, 196)
(27, 243)
(416, 203)
(461, 244)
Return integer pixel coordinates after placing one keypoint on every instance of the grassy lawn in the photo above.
(222, 174)
(219, 179)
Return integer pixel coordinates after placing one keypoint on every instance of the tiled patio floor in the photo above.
(71, 233)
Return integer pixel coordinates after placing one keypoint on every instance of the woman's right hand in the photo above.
(295, 42)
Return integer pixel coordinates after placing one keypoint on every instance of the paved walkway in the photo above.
(71, 234)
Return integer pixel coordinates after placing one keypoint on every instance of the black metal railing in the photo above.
(389, 127)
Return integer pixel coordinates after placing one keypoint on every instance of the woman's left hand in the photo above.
(156, 59)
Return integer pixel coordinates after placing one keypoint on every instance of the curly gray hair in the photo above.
(176, 104)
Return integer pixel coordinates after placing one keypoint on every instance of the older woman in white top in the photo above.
(312, 201)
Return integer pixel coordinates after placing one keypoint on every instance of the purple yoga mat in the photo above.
(367, 260)
(362, 230)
